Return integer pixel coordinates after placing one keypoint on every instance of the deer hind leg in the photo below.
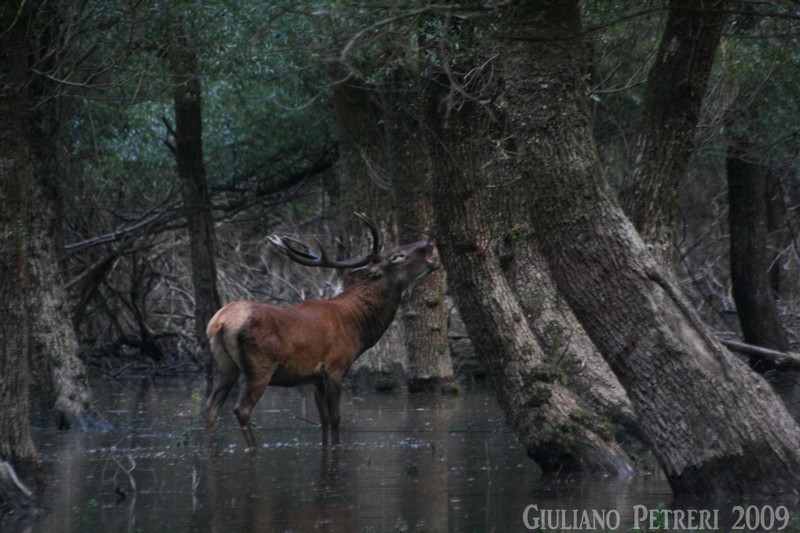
(223, 381)
(320, 397)
(254, 387)
(224, 378)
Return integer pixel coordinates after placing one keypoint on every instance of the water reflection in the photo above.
(405, 462)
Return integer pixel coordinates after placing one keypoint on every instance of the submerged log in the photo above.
(14, 495)
(777, 358)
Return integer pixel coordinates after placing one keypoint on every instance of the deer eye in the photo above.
(399, 256)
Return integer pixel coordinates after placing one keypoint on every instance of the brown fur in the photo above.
(314, 342)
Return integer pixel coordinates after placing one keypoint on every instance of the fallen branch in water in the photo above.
(14, 495)
(782, 359)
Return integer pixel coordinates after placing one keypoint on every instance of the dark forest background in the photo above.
(613, 187)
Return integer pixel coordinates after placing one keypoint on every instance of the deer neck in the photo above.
(372, 306)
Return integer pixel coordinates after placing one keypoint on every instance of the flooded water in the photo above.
(405, 463)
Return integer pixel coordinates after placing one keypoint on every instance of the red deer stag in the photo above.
(314, 341)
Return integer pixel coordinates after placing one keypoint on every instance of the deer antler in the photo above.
(300, 252)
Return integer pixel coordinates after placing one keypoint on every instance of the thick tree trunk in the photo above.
(365, 186)
(192, 173)
(424, 316)
(16, 444)
(665, 132)
(713, 424)
(58, 374)
(750, 262)
(747, 216)
(424, 312)
(558, 433)
(567, 347)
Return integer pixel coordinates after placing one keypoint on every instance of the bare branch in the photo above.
(784, 359)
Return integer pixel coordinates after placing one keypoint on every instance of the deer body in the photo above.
(313, 342)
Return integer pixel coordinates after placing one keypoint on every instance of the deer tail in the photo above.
(224, 348)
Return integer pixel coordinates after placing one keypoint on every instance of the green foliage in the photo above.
(757, 88)
(752, 92)
(623, 38)
(609, 429)
(103, 87)
(266, 69)
(258, 103)
(452, 388)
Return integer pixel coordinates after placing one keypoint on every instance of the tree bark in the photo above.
(714, 425)
(58, 375)
(365, 186)
(750, 262)
(424, 311)
(558, 433)
(747, 217)
(674, 94)
(778, 232)
(566, 345)
(16, 443)
(188, 150)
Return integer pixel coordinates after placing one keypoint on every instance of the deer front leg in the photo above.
(333, 394)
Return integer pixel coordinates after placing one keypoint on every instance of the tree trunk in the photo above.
(778, 232)
(714, 425)
(747, 216)
(16, 444)
(365, 186)
(558, 433)
(424, 312)
(664, 142)
(750, 262)
(58, 375)
(567, 347)
(192, 173)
